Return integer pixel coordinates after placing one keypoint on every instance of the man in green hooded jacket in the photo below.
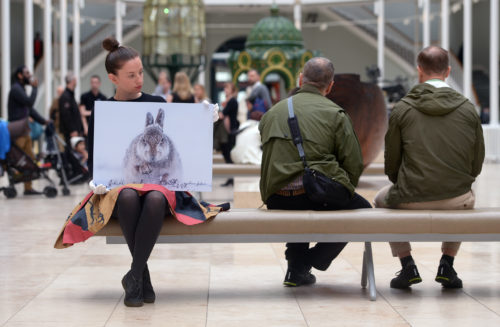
(331, 147)
(434, 149)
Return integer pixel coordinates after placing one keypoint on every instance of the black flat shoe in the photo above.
(133, 290)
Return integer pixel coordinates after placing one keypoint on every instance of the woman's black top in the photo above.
(231, 111)
(90, 136)
(177, 99)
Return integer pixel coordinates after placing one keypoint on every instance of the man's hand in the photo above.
(34, 82)
(99, 189)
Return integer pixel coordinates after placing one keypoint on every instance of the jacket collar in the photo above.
(308, 88)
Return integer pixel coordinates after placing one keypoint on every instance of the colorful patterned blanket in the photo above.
(94, 212)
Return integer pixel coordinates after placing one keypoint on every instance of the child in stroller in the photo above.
(70, 164)
(79, 150)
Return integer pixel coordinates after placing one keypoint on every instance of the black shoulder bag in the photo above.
(319, 188)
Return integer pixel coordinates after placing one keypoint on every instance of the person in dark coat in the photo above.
(70, 119)
(87, 100)
(20, 107)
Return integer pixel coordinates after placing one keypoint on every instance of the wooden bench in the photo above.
(362, 225)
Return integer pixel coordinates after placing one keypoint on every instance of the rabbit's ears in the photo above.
(160, 117)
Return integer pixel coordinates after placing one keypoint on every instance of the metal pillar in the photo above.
(63, 39)
(5, 55)
(119, 22)
(380, 11)
(445, 24)
(28, 35)
(494, 62)
(76, 46)
(297, 15)
(467, 64)
(47, 54)
(426, 23)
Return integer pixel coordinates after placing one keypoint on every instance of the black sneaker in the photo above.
(32, 192)
(447, 276)
(295, 277)
(147, 288)
(133, 291)
(406, 277)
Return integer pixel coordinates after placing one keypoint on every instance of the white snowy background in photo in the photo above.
(189, 127)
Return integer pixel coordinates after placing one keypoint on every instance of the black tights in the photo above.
(141, 219)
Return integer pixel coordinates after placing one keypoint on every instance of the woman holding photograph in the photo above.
(139, 208)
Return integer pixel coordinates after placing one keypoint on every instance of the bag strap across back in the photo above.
(293, 123)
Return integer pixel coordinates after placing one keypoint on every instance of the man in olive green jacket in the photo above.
(331, 147)
(434, 150)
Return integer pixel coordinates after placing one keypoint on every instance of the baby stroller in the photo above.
(21, 168)
(67, 165)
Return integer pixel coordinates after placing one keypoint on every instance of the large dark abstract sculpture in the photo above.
(364, 102)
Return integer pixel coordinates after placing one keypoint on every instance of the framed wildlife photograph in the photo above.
(153, 143)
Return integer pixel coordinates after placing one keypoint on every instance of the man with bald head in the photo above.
(434, 150)
(331, 148)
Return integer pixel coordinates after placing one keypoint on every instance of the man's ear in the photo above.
(420, 74)
(329, 88)
(448, 71)
(300, 80)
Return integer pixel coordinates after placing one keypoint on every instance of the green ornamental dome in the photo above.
(274, 45)
(274, 31)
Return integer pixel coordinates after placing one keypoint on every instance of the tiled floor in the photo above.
(228, 284)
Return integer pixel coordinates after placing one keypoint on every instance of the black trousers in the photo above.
(227, 147)
(299, 255)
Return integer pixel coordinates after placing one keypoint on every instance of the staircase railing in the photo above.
(393, 40)
(93, 45)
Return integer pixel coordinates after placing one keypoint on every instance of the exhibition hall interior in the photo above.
(175, 100)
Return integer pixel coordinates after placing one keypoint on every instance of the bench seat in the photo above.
(368, 222)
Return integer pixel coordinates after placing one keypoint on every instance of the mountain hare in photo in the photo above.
(151, 157)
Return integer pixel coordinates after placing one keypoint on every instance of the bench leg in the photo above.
(364, 278)
(370, 272)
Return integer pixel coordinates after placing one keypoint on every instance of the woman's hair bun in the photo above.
(110, 44)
